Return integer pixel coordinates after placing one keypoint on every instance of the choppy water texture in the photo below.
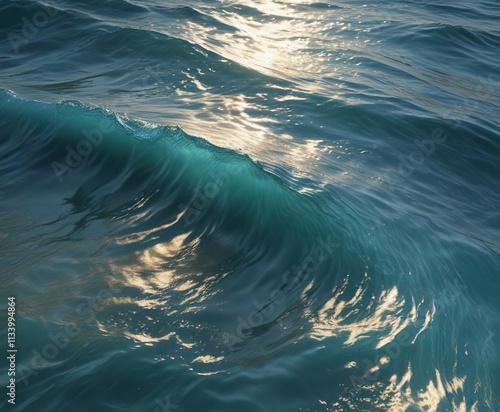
(251, 206)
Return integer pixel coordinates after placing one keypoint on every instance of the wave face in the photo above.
(251, 206)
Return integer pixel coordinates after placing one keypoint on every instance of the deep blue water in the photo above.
(251, 206)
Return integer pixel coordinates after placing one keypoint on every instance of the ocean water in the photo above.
(252, 206)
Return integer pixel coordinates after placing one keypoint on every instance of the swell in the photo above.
(204, 240)
(123, 51)
(473, 44)
(454, 35)
(103, 34)
(152, 186)
(193, 232)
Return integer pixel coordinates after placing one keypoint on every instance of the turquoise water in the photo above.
(251, 206)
